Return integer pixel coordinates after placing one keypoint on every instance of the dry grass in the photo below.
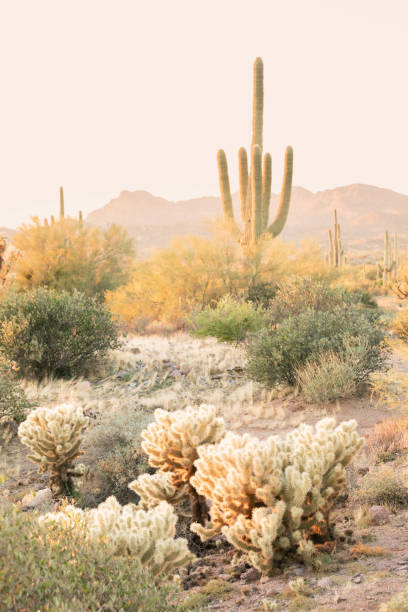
(389, 439)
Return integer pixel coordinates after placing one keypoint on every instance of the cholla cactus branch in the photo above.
(172, 442)
(54, 435)
(154, 488)
(269, 497)
(128, 530)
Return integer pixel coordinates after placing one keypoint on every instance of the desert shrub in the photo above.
(276, 353)
(195, 272)
(68, 255)
(400, 324)
(330, 376)
(14, 404)
(114, 455)
(398, 603)
(297, 294)
(55, 334)
(261, 294)
(229, 321)
(389, 439)
(382, 487)
(61, 570)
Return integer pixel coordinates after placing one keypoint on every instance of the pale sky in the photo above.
(105, 95)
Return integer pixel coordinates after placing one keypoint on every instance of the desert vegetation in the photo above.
(205, 426)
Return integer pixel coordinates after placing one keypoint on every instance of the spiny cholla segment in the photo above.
(155, 488)
(54, 435)
(171, 442)
(268, 497)
(146, 535)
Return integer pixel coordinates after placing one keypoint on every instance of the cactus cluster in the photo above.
(148, 536)
(336, 253)
(255, 183)
(171, 443)
(388, 269)
(54, 436)
(269, 498)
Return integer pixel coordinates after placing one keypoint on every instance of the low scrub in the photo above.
(55, 334)
(389, 439)
(398, 603)
(14, 404)
(114, 455)
(297, 294)
(230, 321)
(382, 487)
(400, 324)
(275, 354)
(331, 376)
(60, 570)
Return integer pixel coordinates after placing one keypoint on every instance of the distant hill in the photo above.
(364, 212)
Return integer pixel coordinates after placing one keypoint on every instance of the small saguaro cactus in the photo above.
(62, 206)
(388, 269)
(255, 185)
(336, 252)
(54, 435)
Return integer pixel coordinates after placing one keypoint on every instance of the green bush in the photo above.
(261, 294)
(330, 376)
(229, 321)
(114, 453)
(55, 334)
(297, 294)
(13, 401)
(276, 353)
(58, 570)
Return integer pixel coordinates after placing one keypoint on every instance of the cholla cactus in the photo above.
(154, 488)
(55, 435)
(269, 497)
(146, 535)
(171, 443)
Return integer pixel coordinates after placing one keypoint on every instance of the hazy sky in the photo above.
(105, 95)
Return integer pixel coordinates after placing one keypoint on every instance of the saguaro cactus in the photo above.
(255, 186)
(62, 208)
(335, 247)
(388, 270)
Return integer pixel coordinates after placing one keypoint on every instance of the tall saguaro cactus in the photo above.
(335, 247)
(255, 183)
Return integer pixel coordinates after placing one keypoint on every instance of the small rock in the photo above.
(357, 579)
(379, 515)
(31, 501)
(264, 579)
(325, 583)
(135, 350)
(250, 575)
(298, 571)
(122, 374)
(225, 577)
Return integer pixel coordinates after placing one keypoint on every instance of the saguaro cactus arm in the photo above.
(278, 223)
(266, 189)
(256, 190)
(225, 189)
